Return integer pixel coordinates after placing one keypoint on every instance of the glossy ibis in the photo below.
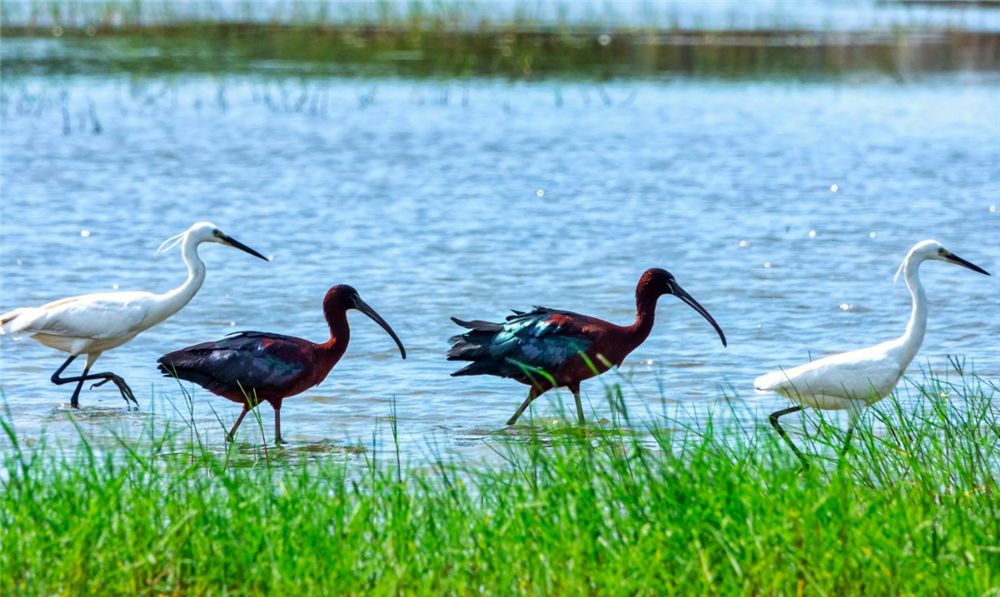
(94, 323)
(856, 379)
(251, 367)
(546, 348)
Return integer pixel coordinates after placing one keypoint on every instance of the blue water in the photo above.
(784, 208)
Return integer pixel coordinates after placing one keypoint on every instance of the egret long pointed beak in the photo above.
(959, 261)
(232, 242)
(362, 306)
(687, 298)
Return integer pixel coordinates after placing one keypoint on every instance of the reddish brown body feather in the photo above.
(546, 348)
(253, 367)
(610, 344)
(321, 360)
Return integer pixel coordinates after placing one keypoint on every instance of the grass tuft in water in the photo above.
(914, 508)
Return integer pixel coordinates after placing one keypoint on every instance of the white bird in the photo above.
(94, 323)
(856, 379)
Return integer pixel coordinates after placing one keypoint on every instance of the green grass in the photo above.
(914, 508)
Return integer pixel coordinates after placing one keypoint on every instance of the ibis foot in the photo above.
(579, 405)
(278, 440)
(533, 393)
(231, 435)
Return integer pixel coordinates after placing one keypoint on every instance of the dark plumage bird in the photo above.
(547, 348)
(254, 367)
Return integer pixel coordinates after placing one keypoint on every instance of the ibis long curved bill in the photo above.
(232, 242)
(689, 300)
(365, 308)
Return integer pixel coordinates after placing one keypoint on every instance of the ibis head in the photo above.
(343, 297)
(656, 282)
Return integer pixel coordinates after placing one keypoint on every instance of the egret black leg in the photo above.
(75, 400)
(579, 404)
(774, 423)
(232, 432)
(126, 391)
(107, 376)
(532, 394)
(55, 376)
(856, 413)
(847, 440)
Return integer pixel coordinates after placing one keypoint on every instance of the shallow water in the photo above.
(783, 208)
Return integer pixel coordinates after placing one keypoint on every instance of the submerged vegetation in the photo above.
(913, 508)
(455, 39)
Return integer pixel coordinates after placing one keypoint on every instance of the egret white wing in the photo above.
(861, 374)
(98, 316)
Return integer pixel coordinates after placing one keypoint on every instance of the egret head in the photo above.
(932, 249)
(206, 232)
(342, 298)
(656, 282)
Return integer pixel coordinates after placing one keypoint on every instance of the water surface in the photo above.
(784, 208)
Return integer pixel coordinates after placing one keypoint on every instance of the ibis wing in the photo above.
(543, 339)
(244, 361)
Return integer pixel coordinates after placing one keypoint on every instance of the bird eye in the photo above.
(217, 233)
(941, 251)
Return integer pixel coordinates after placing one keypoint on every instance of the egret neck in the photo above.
(175, 300)
(913, 337)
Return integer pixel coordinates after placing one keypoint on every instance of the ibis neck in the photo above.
(913, 337)
(645, 306)
(180, 296)
(340, 335)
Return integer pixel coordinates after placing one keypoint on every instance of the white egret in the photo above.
(856, 379)
(94, 323)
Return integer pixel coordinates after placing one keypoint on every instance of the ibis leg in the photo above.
(277, 426)
(579, 405)
(232, 432)
(107, 376)
(532, 394)
(774, 423)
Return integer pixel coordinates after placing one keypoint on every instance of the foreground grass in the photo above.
(914, 508)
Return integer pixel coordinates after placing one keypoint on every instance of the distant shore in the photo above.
(515, 51)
